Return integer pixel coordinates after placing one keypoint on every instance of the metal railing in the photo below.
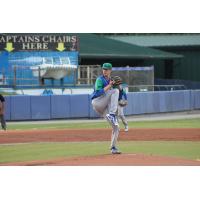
(145, 88)
(82, 83)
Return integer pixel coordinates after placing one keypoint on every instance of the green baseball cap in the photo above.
(107, 66)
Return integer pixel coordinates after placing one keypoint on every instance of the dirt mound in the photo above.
(113, 160)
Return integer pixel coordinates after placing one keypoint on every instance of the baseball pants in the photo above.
(121, 115)
(108, 104)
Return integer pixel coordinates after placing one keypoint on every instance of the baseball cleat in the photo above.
(114, 150)
(126, 129)
(112, 119)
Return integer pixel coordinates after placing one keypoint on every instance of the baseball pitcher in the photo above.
(105, 102)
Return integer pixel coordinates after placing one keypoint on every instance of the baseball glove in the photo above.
(117, 80)
(123, 103)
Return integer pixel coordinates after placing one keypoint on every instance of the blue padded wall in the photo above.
(135, 103)
(177, 100)
(187, 100)
(180, 100)
(128, 110)
(144, 102)
(60, 106)
(79, 105)
(20, 107)
(156, 102)
(197, 99)
(40, 107)
(162, 102)
(149, 103)
(192, 99)
(165, 102)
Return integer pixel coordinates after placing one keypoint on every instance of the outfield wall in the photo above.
(79, 105)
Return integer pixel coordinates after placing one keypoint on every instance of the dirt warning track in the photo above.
(87, 135)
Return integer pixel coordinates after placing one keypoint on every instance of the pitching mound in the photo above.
(113, 160)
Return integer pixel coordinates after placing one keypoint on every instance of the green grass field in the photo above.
(183, 123)
(40, 151)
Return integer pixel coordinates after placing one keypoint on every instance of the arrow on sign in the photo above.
(61, 47)
(9, 47)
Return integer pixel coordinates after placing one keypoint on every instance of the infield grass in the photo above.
(45, 151)
(182, 123)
